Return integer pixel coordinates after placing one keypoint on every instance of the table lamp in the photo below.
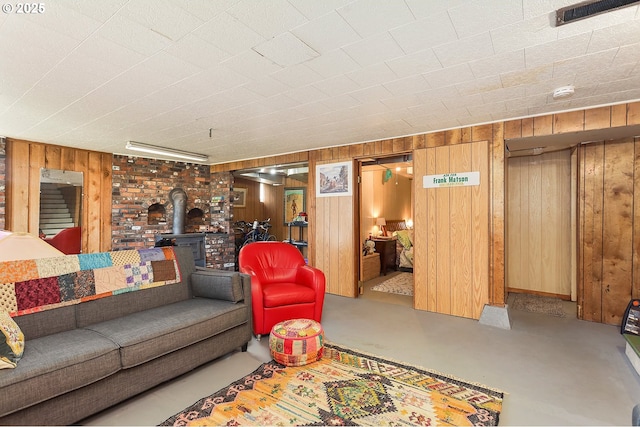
(381, 223)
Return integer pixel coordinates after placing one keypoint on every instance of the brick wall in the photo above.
(140, 182)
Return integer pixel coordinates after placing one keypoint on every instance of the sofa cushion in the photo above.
(11, 341)
(217, 284)
(55, 364)
(149, 334)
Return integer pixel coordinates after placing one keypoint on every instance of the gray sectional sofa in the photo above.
(86, 356)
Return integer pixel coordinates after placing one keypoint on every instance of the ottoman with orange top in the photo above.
(296, 342)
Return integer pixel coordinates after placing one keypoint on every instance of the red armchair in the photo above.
(67, 241)
(283, 287)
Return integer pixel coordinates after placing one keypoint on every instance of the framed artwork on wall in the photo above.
(334, 179)
(240, 199)
(294, 203)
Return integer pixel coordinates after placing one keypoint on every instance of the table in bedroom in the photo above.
(387, 250)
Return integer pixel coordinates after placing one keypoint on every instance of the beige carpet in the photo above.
(537, 304)
(401, 284)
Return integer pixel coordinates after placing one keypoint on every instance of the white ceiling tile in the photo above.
(267, 18)
(376, 49)
(197, 51)
(466, 22)
(604, 74)
(584, 64)
(449, 76)
(266, 86)
(228, 34)
(503, 94)
(134, 36)
(303, 95)
(103, 49)
(369, 18)
(335, 86)
(484, 85)
(332, 64)
(326, 33)
(622, 85)
(402, 102)
(482, 109)
(64, 20)
(169, 65)
(407, 85)
(529, 76)
(297, 76)
(337, 103)
(463, 101)
(206, 9)
(286, 50)
(531, 32)
(423, 9)
(558, 50)
(313, 9)
(416, 63)
(251, 64)
(617, 35)
(425, 33)
(101, 10)
(468, 49)
(498, 64)
(372, 75)
(371, 94)
(627, 54)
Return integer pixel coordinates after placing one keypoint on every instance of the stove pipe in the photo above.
(179, 200)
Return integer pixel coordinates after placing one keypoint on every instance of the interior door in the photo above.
(607, 230)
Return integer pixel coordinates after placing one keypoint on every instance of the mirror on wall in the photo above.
(60, 200)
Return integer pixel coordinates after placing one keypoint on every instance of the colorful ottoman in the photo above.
(296, 342)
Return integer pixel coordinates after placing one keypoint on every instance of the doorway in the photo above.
(541, 221)
(386, 229)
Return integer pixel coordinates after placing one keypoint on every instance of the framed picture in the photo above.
(240, 199)
(334, 179)
(294, 203)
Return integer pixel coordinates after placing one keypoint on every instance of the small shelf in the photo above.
(300, 243)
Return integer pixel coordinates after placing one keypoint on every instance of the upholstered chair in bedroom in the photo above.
(283, 286)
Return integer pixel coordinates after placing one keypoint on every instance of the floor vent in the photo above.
(587, 9)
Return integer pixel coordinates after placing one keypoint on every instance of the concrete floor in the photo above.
(554, 371)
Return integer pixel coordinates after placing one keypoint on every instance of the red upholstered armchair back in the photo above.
(67, 241)
(283, 286)
(272, 262)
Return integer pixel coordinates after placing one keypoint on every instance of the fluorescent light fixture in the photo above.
(170, 152)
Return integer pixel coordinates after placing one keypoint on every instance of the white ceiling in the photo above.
(278, 76)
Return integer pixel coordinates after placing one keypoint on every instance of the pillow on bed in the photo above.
(404, 237)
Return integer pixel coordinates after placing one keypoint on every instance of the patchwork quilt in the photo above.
(34, 285)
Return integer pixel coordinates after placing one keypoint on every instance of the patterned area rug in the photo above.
(346, 387)
(399, 284)
(537, 304)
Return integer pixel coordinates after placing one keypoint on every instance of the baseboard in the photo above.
(539, 293)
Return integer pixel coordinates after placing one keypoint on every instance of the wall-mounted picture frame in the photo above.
(294, 203)
(240, 199)
(334, 179)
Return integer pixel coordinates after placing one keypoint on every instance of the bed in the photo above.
(397, 228)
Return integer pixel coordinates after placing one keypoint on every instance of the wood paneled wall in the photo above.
(609, 230)
(539, 224)
(24, 160)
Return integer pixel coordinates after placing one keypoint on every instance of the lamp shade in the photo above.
(381, 221)
(21, 246)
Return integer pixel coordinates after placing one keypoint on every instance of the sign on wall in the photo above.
(460, 179)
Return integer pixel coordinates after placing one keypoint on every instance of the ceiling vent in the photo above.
(590, 8)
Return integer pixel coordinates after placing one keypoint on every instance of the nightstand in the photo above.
(387, 250)
(370, 266)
